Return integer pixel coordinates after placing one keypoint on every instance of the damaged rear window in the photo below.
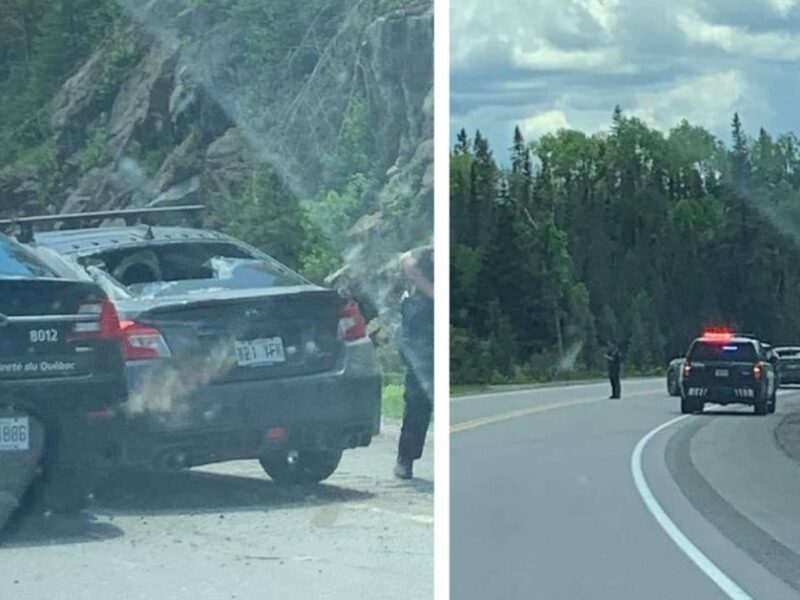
(183, 268)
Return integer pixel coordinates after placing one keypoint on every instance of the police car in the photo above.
(723, 367)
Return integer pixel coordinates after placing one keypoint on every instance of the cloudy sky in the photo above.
(547, 64)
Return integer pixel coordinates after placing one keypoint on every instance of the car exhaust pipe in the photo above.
(171, 461)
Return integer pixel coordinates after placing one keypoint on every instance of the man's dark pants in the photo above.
(616, 391)
(416, 418)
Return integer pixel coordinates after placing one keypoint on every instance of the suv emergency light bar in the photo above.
(132, 216)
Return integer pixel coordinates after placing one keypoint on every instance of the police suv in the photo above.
(722, 367)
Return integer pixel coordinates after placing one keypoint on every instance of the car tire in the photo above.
(687, 406)
(672, 384)
(773, 401)
(761, 407)
(309, 466)
(59, 492)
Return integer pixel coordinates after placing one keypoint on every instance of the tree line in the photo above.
(630, 235)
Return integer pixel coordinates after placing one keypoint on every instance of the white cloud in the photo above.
(522, 32)
(708, 100)
(545, 56)
(783, 6)
(544, 122)
(770, 45)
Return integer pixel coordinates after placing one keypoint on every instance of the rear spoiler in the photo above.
(131, 216)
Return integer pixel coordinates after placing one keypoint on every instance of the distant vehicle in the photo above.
(726, 368)
(788, 364)
(230, 354)
(61, 374)
(674, 376)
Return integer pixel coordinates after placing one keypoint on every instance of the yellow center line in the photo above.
(521, 412)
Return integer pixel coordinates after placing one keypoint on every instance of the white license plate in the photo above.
(721, 372)
(14, 434)
(264, 351)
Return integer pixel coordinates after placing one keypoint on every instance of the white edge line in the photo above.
(725, 583)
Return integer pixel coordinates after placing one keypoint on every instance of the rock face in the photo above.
(176, 111)
(163, 125)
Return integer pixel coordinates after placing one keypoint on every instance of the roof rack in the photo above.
(132, 216)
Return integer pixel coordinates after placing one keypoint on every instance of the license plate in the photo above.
(721, 372)
(265, 351)
(14, 434)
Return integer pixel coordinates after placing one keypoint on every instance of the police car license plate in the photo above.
(721, 372)
(14, 434)
(260, 352)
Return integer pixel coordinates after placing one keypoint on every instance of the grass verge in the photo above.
(392, 400)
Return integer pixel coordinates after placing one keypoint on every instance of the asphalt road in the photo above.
(560, 493)
(226, 531)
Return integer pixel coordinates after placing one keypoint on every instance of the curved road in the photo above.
(561, 493)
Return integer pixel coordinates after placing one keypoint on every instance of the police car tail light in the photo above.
(143, 342)
(687, 369)
(757, 371)
(352, 324)
(107, 324)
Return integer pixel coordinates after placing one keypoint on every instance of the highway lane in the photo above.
(544, 503)
(226, 532)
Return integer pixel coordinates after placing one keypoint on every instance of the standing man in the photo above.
(614, 358)
(415, 343)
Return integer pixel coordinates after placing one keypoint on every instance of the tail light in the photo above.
(687, 369)
(142, 342)
(352, 324)
(107, 325)
(757, 371)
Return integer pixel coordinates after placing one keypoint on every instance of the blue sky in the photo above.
(546, 64)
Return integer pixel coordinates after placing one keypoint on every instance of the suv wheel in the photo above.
(688, 406)
(307, 467)
(672, 384)
(773, 401)
(761, 407)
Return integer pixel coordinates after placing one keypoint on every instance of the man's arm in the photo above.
(409, 264)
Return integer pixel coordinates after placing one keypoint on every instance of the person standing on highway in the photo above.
(415, 343)
(614, 359)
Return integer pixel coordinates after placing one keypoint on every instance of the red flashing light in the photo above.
(757, 371)
(687, 368)
(717, 334)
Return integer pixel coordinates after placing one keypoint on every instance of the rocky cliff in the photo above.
(179, 106)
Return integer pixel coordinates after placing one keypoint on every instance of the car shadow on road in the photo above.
(182, 492)
(722, 413)
(196, 492)
(28, 530)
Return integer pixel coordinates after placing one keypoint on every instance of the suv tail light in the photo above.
(687, 368)
(107, 325)
(757, 371)
(142, 342)
(352, 325)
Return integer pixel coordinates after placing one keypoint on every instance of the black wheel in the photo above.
(306, 467)
(672, 384)
(60, 491)
(760, 407)
(688, 406)
(773, 401)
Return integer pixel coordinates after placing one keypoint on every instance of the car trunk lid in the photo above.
(242, 336)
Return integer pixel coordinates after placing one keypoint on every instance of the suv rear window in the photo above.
(788, 352)
(19, 262)
(723, 351)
